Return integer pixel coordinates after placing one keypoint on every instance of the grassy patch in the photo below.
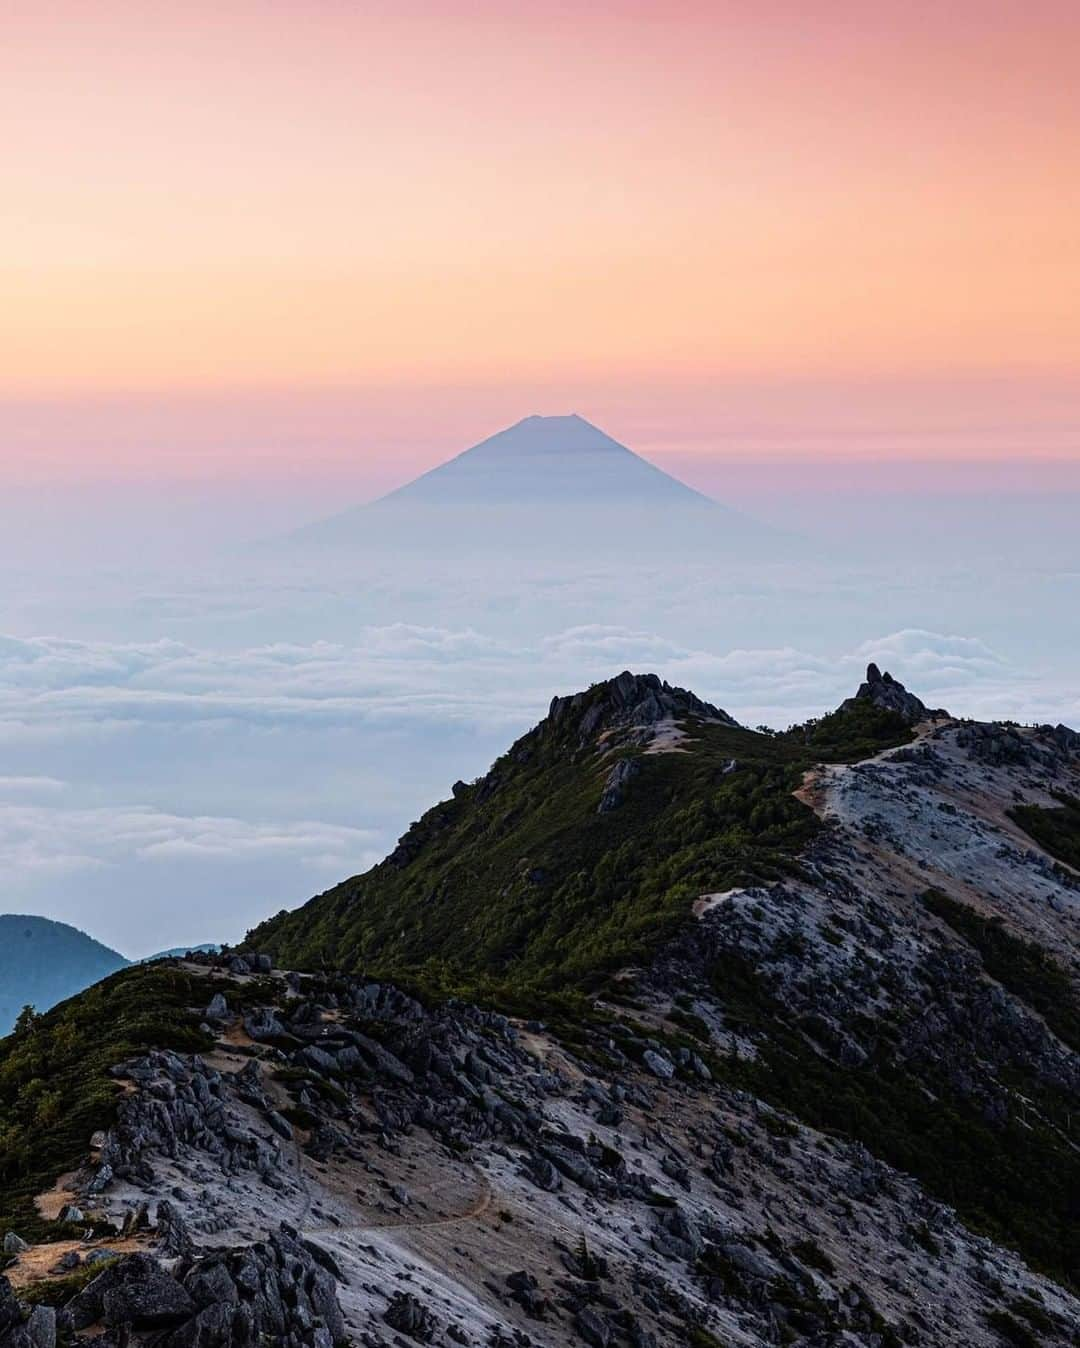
(1057, 830)
(59, 1291)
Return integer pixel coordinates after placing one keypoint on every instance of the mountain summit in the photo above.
(548, 483)
(664, 1033)
(550, 459)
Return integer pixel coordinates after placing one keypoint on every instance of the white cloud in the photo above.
(36, 837)
(434, 677)
(226, 763)
(21, 787)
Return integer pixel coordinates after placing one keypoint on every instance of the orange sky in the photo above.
(241, 198)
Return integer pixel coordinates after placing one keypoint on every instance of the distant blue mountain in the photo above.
(554, 460)
(547, 484)
(43, 962)
(176, 951)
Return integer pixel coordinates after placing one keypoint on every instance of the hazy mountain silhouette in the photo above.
(544, 482)
(42, 962)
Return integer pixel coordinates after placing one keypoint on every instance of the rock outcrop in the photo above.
(273, 1291)
(883, 691)
(633, 701)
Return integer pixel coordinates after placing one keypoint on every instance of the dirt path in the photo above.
(814, 790)
(471, 1214)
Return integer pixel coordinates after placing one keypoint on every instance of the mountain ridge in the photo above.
(528, 829)
(779, 1045)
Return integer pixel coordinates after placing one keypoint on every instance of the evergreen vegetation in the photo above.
(1023, 967)
(55, 1089)
(518, 882)
(1016, 1181)
(1057, 830)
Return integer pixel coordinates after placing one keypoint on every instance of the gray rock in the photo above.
(592, 1327)
(41, 1327)
(262, 1023)
(14, 1243)
(883, 691)
(280, 1125)
(102, 1179)
(173, 1238)
(630, 700)
(658, 1064)
(409, 1316)
(313, 1056)
(149, 1302)
(620, 776)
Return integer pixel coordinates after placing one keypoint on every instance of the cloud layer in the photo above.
(185, 753)
(273, 770)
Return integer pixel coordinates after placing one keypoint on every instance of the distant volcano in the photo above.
(550, 459)
(543, 482)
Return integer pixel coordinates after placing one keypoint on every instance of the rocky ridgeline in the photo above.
(629, 710)
(1052, 748)
(630, 701)
(678, 1166)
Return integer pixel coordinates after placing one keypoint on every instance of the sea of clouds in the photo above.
(187, 745)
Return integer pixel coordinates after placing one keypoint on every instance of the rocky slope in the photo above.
(829, 1104)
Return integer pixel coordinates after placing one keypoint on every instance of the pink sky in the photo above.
(351, 238)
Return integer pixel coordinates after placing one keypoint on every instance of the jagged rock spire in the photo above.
(890, 694)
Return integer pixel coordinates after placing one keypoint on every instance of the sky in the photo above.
(260, 261)
(252, 240)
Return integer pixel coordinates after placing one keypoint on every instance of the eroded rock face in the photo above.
(631, 700)
(182, 1104)
(618, 780)
(274, 1291)
(644, 1199)
(23, 1326)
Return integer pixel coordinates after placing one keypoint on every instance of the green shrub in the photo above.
(1021, 966)
(59, 1291)
(55, 1088)
(1011, 1330)
(1057, 830)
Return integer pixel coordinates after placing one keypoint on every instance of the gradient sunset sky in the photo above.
(338, 237)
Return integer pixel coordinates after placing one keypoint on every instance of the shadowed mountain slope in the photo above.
(584, 845)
